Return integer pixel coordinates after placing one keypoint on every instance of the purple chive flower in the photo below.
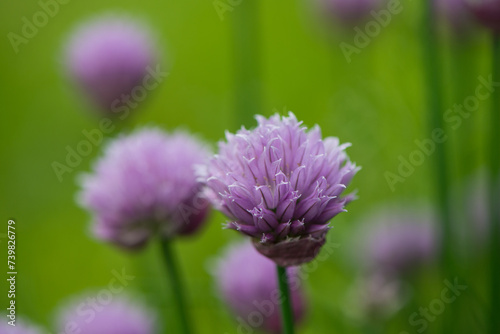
(400, 240)
(22, 327)
(145, 183)
(280, 185)
(108, 57)
(477, 214)
(487, 12)
(247, 282)
(118, 316)
(350, 12)
(455, 13)
(375, 296)
(473, 229)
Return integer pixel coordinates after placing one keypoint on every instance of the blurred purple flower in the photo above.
(455, 12)
(375, 296)
(280, 185)
(487, 12)
(22, 327)
(477, 227)
(119, 316)
(109, 56)
(247, 282)
(350, 12)
(145, 183)
(399, 240)
(477, 215)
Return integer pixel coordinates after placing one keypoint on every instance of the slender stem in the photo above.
(464, 70)
(176, 283)
(246, 53)
(434, 94)
(436, 122)
(494, 190)
(286, 303)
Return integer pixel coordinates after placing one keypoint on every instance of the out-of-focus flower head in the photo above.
(456, 13)
(108, 57)
(145, 183)
(349, 12)
(474, 227)
(21, 327)
(247, 283)
(118, 316)
(487, 12)
(399, 239)
(280, 185)
(377, 295)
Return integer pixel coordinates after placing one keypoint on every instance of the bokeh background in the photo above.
(377, 102)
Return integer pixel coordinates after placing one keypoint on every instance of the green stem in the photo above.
(286, 302)
(464, 70)
(436, 122)
(495, 191)
(434, 94)
(246, 53)
(176, 283)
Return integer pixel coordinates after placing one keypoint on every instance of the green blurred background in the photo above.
(377, 102)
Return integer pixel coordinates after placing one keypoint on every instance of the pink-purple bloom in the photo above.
(350, 12)
(377, 295)
(399, 240)
(118, 316)
(281, 185)
(455, 12)
(145, 183)
(475, 227)
(108, 57)
(247, 282)
(21, 327)
(487, 12)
